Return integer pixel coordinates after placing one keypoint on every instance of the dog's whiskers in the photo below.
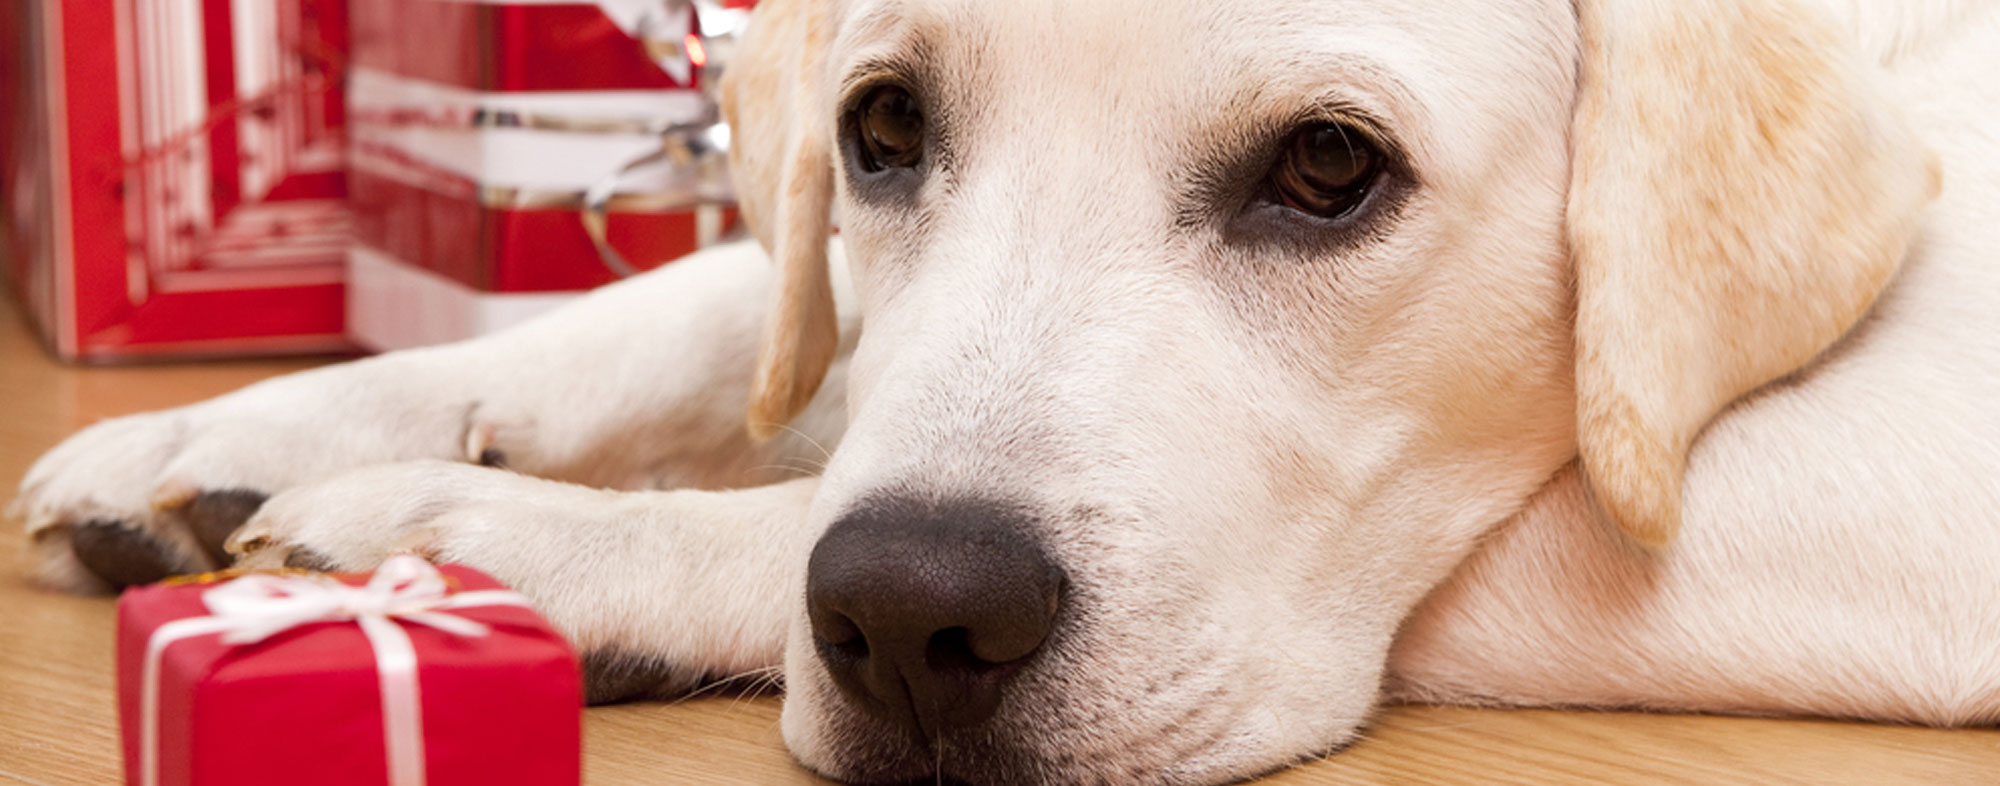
(760, 678)
(804, 472)
(825, 455)
(769, 678)
(939, 747)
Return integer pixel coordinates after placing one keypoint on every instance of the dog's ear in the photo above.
(1741, 192)
(781, 154)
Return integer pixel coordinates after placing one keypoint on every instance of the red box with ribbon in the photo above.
(416, 675)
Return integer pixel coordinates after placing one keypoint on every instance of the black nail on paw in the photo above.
(307, 559)
(215, 515)
(123, 556)
(492, 457)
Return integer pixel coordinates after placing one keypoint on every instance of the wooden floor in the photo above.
(58, 724)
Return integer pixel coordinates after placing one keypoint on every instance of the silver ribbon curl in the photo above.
(701, 149)
(697, 150)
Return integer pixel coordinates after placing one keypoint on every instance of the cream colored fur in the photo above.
(1703, 271)
(1670, 382)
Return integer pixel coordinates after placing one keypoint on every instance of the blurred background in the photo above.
(204, 178)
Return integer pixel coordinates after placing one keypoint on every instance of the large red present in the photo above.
(172, 174)
(509, 154)
(420, 675)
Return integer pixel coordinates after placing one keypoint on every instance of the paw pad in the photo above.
(123, 556)
(215, 515)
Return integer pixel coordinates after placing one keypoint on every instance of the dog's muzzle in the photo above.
(924, 613)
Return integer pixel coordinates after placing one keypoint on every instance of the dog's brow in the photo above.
(885, 27)
(878, 22)
(901, 49)
(1349, 88)
(877, 68)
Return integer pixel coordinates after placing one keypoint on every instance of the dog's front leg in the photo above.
(659, 591)
(642, 384)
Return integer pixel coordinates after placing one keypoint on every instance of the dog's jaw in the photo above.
(1131, 690)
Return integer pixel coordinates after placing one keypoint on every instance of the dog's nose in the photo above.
(924, 613)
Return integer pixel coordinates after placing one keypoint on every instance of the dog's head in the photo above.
(1203, 339)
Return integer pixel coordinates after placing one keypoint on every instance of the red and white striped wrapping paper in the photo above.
(172, 174)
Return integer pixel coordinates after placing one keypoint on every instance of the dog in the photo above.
(1189, 378)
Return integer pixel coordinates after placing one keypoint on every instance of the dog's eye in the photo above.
(1326, 170)
(891, 127)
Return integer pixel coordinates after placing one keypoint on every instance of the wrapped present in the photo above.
(172, 174)
(419, 675)
(509, 154)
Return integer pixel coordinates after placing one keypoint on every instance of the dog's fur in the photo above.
(1665, 375)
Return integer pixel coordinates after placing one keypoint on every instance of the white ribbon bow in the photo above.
(256, 607)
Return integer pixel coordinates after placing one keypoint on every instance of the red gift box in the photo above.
(491, 696)
(172, 174)
(477, 131)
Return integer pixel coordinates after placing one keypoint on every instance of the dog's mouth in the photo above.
(952, 638)
(1050, 743)
(1096, 703)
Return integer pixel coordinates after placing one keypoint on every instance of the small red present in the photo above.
(420, 675)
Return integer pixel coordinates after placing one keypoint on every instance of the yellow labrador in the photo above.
(1226, 368)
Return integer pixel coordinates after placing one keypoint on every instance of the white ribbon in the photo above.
(253, 608)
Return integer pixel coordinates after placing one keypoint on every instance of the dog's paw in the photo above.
(104, 508)
(138, 498)
(445, 511)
